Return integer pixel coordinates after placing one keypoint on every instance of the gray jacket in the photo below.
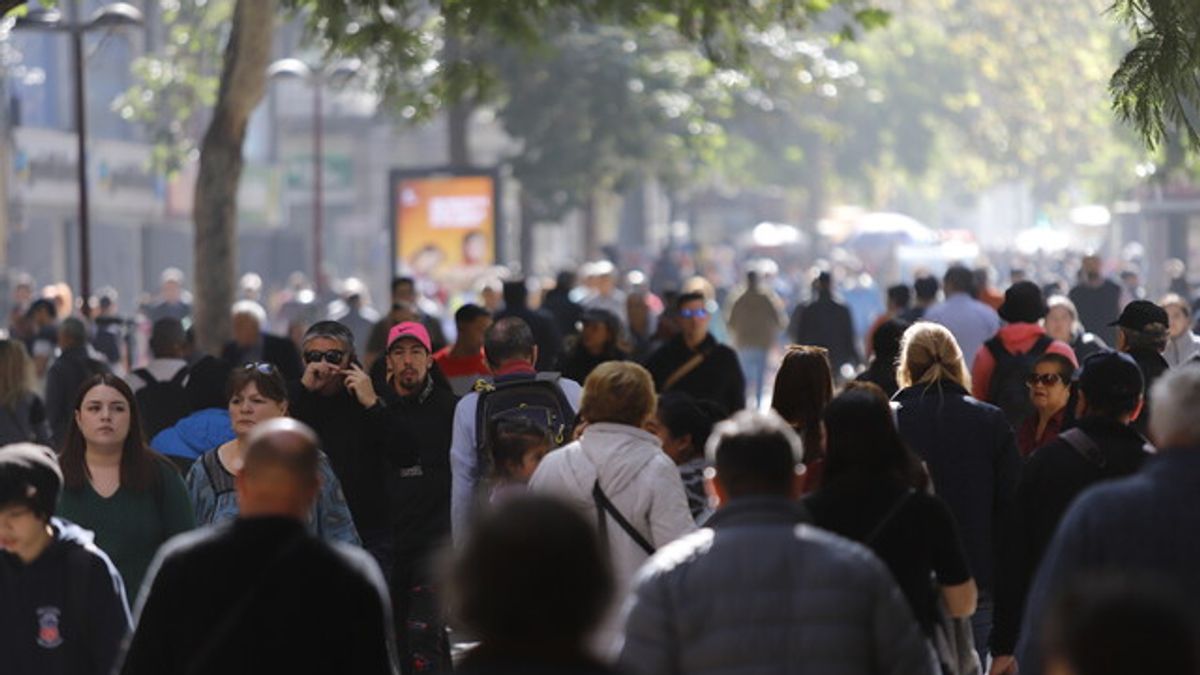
(758, 592)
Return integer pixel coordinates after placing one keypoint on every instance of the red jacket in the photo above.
(1017, 338)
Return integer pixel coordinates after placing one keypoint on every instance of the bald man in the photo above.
(260, 594)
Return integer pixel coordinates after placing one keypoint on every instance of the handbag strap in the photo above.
(888, 517)
(684, 370)
(604, 505)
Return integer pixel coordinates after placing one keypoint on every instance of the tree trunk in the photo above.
(243, 82)
(458, 113)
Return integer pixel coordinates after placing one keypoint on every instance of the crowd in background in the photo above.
(964, 479)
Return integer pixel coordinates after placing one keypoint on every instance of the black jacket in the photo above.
(52, 625)
(1153, 366)
(1098, 306)
(276, 350)
(566, 311)
(971, 452)
(577, 364)
(261, 595)
(826, 323)
(69, 371)
(719, 378)
(355, 454)
(1054, 475)
(414, 435)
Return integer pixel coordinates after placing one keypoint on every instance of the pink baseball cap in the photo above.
(410, 329)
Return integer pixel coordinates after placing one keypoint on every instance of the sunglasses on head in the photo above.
(693, 313)
(1044, 379)
(261, 366)
(329, 356)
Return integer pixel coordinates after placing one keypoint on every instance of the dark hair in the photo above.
(139, 464)
(803, 387)
(206, 382)
(684, 415)
(265, 377)
(167, 336)
(72, 332)
(565, 280)
(754, 454)
(511, 438)
(402, 281)
(926, 287)
(685, 298)
(516, 294)
(509, 338)
(1066, 369)
(900, 295)
(531, 581)
(42, 303)
(30, 477)
(1112, 624)
(468, 313)
(885, 343)
(960, 279)
(862, 441)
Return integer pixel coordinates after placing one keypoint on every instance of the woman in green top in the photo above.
(129, 495)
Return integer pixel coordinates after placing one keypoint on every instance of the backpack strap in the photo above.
(888, 517)
(144, 373)
(218, 477)
(1083, 444)
(181, 377)
(603, 506)
(1043, 343)
(996, 346)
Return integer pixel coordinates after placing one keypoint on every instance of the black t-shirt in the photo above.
(920, 539)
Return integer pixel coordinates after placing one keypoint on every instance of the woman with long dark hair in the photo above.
(803, 387)
(113, 484)
(874, 493)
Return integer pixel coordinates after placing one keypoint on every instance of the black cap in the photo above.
(1023, 303)
(1111, 380)
(1143, 316)
(29, 474)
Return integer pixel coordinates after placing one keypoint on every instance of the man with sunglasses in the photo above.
(695, 363)
(335, 398)
(1102, 446)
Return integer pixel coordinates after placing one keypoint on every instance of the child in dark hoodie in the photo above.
(62, 602)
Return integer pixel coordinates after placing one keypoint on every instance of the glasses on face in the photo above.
(261, 366)
(1044, 379)
(329, 356)
(693, 313)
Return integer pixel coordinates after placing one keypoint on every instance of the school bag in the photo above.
(537, 398)
(161, 403)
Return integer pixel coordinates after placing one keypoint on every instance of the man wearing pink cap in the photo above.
(415, 435)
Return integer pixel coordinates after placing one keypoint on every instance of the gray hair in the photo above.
(333, 330)
(1176, 397)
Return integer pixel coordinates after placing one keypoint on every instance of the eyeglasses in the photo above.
(1044, 379)
(261, 366)
(330, 356)
(693, 313)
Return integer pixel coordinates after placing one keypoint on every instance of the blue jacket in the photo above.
(1144, 523)
(195, 434)
(971, 452)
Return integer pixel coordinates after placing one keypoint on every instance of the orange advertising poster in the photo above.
(445, 223)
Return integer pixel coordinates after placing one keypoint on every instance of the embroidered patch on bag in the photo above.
(49, 636)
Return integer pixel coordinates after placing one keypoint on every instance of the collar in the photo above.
(1105, 427)
(515, 367)
(704, 345)
(759, 510)
(420, 397)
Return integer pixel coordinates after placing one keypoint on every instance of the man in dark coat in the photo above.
(73, 365)
(557, 301)
(1101, 447)
(414, 435)
(695, 363)
(260, 594)
(1142, 525)
(1142, 333)
(541, 322)
(251, 344)
(825, 322)
(1097, 298)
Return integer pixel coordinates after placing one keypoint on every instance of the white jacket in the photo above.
(638, 478)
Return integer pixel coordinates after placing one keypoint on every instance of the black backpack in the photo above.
(1007, 389)
(161, 404)
(537, 398)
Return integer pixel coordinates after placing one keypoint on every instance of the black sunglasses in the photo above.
(261, 366)
(329, 356)
(1044, 379)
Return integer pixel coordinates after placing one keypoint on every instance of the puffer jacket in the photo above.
(641, 482)
(758, 592)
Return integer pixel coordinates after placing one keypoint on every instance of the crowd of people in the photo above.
(602, 479)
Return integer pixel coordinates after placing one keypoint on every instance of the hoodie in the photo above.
(51, 626)
(195, 434)
(638, 478)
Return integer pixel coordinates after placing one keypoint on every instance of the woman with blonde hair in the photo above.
(967, 445)
(617, 475)
(22, 413)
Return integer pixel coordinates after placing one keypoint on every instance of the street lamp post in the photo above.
(318, 79)
(108, 16)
